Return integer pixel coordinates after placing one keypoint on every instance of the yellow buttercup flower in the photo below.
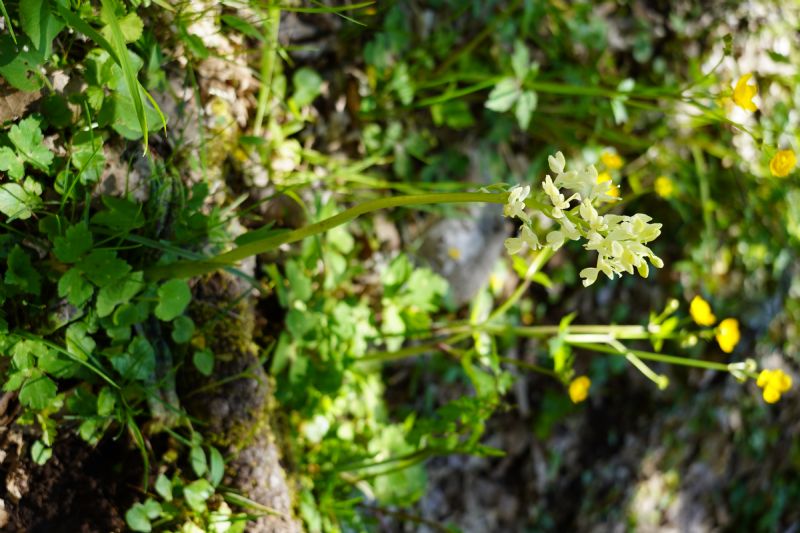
(782, 163)
(743, 93)
(611, 160)
(605, 176)
(728, 334)
(454, 253)
(775, 383)
(664, 187)
(701, 312)
(579, 389)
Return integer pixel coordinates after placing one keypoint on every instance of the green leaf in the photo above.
(204, 361)
(38, 390)
(182, 329)
(520, 60)
(76, 289)
(503, 96)
(137, 519)
(122, 215)
(152, 508)
(102, 267)
(17, 202)
(87, 156)
(217, 466)
(40, 453)
(11, 163)
(130, 25)
(164, 487)
(196, 493)
(19, 67)
(38, 22)
(242, 26)
(76, 242)
(21, 273)
(307, 86)
(525, 107)
(138, 362)
(56, 365)
(118, 43)
(118, 292)
(173, 297)
(197, 458)
(106, 401)
(29, 142)
(299, 283)
(78, 341)
(453, 114)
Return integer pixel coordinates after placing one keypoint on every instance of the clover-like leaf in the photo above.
(29, 142)
(21, 272)
(17, 202)
(118, 292)
(504, 95)
(76, 242)
(196, 493)
(103, 267)
(173, 297)
(74, 287)
(38, 390)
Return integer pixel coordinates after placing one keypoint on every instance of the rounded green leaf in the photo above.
(173, 297)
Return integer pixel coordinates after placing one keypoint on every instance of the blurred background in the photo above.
(644, 91)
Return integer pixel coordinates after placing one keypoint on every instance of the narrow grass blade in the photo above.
(118, 41)
(8, 21)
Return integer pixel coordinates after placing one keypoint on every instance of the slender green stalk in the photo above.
(528, 366)
(651, 356)
(535, 266)
(184, 269)
(660, 380)
(268, 56)
(412, 351)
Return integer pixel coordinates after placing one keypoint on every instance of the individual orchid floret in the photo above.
(556, 198)
(514, 245)
(515, 206)
(557, 162)
(568, 231)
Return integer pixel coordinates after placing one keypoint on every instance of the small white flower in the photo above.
(556, 198)
(514, 245)
(589, 276)
(557, 163)
(515, 205)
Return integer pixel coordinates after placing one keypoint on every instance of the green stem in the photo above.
(184, 269)
(651, 356)
(411, 351)
(535, 266)
(267, 65)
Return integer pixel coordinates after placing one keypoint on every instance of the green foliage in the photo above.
(90, 339)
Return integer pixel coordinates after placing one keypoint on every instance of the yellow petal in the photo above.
(579, 389)
(782, 163)
(771, 395)
(701, 312)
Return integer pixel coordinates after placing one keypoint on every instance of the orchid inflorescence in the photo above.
(620, 241)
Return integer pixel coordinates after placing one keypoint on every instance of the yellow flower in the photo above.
(664, 187)
(579, 389)
(728, 334)
(605, 176)
(782, 163)
(611, 160)
(743, 93)
(701, 312)
(775, 383)
(454, 253)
